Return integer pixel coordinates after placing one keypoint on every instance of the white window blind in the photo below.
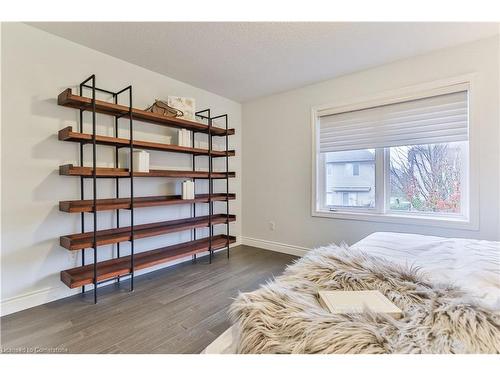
(436, 119)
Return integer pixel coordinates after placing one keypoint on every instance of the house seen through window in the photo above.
(351, 182)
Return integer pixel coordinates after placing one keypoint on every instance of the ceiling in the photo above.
(243, 61)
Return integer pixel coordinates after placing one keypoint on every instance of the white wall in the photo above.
(277, 150)
(36, 67)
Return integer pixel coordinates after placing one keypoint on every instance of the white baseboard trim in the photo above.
(49, 294)
(275, 246)
(35, 298)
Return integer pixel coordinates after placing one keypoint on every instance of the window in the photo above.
(399, 158)
(355, 169)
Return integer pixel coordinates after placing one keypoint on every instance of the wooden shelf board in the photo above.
(67, 99)
(71, 170)
(124, 203)
(67, 134)
(112, 268)
(111, 236)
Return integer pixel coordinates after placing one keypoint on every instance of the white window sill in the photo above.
(405, 219)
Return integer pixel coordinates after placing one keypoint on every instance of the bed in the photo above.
(471, 265)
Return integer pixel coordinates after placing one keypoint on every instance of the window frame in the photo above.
(381, 212)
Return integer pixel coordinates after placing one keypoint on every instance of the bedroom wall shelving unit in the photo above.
(98, 272)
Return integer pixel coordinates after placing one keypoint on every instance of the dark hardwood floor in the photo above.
(179, 309)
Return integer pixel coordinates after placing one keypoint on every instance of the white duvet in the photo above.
(473, 265)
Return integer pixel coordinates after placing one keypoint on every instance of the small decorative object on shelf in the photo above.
(184, 138)
(141, 161)
(95, 272)
(185, 105)
(188, 190)
(164, 109)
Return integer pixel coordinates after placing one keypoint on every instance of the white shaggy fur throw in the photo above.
(285, 316)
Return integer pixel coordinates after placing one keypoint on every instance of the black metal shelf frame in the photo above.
(115, 95)
(205, 115)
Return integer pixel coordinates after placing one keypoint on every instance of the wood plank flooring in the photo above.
(179, 309)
